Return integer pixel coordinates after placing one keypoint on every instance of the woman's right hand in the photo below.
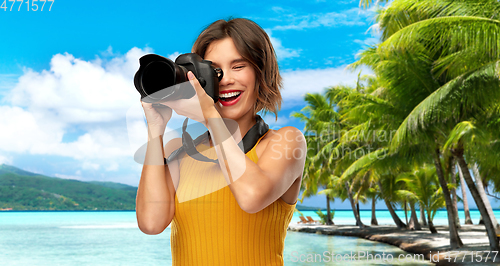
(157, 117)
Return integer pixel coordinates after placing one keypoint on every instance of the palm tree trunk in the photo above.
(328, 219)
(394, 216)
(453, 191)
(431, 224)
(353, 206)
(374, 218)
(455, 241)
(422, 216)
(468, 220)
(406, 212)
(490, 230)
(357, 210)
(480, 188)
(414, 224)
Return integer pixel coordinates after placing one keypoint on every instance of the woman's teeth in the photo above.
(230, 95)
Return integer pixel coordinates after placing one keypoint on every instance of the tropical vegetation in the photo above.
(411, 133)
(23, 190)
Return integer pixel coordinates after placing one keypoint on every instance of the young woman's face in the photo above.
(237, 87)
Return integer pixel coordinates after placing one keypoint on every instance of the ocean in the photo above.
(113, 238)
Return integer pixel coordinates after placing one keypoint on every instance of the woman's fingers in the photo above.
(192, 108)
(194, 81)
(202, 94)
(157, 115)
(165, 111)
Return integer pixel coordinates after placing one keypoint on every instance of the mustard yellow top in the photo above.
(209, 227)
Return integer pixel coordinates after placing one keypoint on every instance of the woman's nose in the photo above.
(227, 78)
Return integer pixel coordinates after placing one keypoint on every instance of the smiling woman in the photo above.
(235, 208)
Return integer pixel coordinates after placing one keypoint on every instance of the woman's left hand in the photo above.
(200, 107)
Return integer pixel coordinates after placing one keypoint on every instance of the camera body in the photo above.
(159, 79)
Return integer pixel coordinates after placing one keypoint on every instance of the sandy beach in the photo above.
(434, 247)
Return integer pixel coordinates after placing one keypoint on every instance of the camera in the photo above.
(159, 79)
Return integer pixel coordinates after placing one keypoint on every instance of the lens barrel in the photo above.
(156, 78)
(159, 79)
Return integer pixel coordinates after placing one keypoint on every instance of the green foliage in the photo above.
(435, 92)
(323, 217)
(37, 192)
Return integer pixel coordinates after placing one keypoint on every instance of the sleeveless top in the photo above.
(209, 227)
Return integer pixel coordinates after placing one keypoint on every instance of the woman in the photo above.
(235, 211)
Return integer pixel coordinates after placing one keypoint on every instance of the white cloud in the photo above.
(350, 17)
(273, 124)
(173, 56)
(299, 82)
(112, 167)
(278, 9)
(281, 52)
(5, 159)
(90, 166)
(368, 41)
(68, 176)
(91, 95)
(374, 30)
(76, 91)
(22, 131)
(7, 82)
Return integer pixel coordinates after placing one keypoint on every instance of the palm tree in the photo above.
(424, 185)
(467, 132)
(458, 38)
(366, 116)
(317, 115)
(468, 220)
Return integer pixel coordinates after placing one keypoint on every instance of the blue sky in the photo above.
(68, 107)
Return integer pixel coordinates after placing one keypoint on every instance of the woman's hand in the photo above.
(200, 107)
(157, 116)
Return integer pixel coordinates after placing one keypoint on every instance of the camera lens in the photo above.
(157, 76)
(159, 79)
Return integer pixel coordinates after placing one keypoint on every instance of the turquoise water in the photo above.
(384, 217)
(112, 238)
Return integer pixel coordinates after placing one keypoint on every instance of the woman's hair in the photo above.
(254, 45)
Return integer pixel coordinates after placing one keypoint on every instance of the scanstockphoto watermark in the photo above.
(329, 134)
(343, 143)
(353, 256)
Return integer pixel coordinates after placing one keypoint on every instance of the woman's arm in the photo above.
(256, 185)
(155, 195)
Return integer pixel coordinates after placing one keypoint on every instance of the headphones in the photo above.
(189, 145)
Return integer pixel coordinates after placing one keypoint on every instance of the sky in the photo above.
(68, 107)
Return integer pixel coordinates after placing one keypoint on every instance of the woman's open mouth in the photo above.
(230, 98)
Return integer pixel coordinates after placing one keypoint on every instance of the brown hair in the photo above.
(254, 45)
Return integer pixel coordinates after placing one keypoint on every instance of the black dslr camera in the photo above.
(159, 79)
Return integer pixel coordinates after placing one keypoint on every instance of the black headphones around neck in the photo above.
(189, 145)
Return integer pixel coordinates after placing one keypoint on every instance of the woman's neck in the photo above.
(244, 124)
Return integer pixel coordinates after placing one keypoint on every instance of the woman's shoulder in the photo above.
(288, 133)
(289, 136)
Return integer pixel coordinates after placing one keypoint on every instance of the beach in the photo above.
(434, 247)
